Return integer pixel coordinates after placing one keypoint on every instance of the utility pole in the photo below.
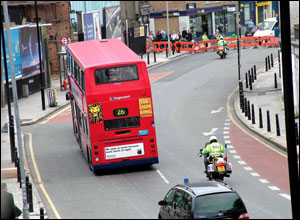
(238, 37)
(16, 107)
(85, 22)
(167, 8)
(287, 74)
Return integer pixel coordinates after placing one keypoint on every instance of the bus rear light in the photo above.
(153, 151)
(97, 159)
(95, 146)
(151, 140)
(96, 153)
(152, 145)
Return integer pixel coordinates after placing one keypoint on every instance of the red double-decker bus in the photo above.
(111, 102)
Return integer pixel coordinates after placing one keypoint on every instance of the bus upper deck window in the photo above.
(116, 74)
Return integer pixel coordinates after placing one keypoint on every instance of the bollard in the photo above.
(250, 81)
(167, 51)
(148, 59)
(246, 77)
(277, 125)
(275, 81)
(252, 74)
(253, 115)
(260, 119)
(173, 48)
(242, 102)
(18, 171)
(178, 46)
(268, 121)
(255, 72)
(42, 215)
(272, 60)
(269, 65)
(266, 63)
(297, 133)
(29, 197)
(141, 56)
(248, 108)
(154, 56)
(26, 184)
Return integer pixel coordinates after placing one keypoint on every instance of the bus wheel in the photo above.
(89, 159)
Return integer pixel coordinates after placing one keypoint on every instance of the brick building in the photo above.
(199, 16)
(57, 13)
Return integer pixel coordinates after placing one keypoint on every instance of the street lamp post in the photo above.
(167, 9)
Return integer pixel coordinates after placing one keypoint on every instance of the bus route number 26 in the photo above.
(120, 112)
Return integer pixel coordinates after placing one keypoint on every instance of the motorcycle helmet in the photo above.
(213, 139)
(221, 37)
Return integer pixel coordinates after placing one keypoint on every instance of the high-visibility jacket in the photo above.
(204, 37)
(214, 149)
(222, 43)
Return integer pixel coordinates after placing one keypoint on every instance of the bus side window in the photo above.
(83, 81)
(72, 66)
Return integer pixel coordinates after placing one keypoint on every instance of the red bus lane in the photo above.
(268, 163)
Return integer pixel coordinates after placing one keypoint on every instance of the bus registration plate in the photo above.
(121, 151)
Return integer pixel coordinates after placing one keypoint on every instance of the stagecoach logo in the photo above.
(95, 111)
(118, 98)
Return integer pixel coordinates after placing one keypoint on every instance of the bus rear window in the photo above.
(129, 122)
(116, 74)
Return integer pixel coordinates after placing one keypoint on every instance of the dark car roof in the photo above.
(204, 188)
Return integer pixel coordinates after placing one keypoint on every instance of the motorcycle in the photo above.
(219, 168)
(222, 52)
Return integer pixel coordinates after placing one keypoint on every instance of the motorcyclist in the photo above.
(222, 43)
(212, 150)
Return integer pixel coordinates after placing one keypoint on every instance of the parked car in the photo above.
(209, 200)
(250, 31)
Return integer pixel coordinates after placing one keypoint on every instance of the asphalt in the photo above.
(30, 112)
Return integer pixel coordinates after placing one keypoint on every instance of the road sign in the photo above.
(64, 41)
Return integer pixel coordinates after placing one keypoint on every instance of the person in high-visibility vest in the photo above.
(212, 150)
(205, 38)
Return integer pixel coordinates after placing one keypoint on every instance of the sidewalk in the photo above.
(30, 112)
(264, 95)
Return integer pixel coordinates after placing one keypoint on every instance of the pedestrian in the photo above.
(157, 38)
(189, 36)
(220, 28)
(163, 35)
(217, 35)
(184, 33)
(8, 208)
(179, 35)
(174, 37)
(205, 38)
(250, 24)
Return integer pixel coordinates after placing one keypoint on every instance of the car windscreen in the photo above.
(268, 25)
(215, 203)
(116, 74)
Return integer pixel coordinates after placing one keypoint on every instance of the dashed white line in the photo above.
(162, 176)
(228, 119)
(236, 157)
(232, 151)
(226, 137)
(229, 146)
(263, 180)
(225, 132)
(273, 187)
(255, 174)
(226, 128)
(285, 196)
(241, 162)
(227, 124)
(227, 142)
(248, 168)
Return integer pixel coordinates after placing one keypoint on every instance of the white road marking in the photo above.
(285, 196)
(248, 168)
(216, 111)
(211, 132)
(227, 142)
(236, 157)
(226, 128)
(255, 174)
(241, 162)
(225, 132)
(226, 137)
(273, 187)
(228, 119)
(232, 151)
(229, 146)
(263, 180)
(227, 124)
(162, 176)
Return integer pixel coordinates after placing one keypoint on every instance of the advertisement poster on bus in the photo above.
(112, 21)
(30, 51)
(15, 41)
(91, 20)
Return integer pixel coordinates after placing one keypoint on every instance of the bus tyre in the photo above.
(89, 159)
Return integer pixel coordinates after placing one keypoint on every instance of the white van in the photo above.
(268, 28)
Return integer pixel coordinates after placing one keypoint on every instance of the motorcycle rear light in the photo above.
(225, 159)
(216, 159)
(221, 164)
(244, 216)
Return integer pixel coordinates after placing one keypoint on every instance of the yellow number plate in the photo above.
(221, 169)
